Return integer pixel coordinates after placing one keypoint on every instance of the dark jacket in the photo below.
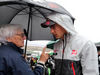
(13, 63)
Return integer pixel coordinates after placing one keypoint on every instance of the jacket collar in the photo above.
(15, 47)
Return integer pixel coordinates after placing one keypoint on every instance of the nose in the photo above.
(51, 30)
(24, 37)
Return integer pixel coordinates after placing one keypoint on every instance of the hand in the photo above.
(44, 56)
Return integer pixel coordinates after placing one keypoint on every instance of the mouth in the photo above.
(55, 35)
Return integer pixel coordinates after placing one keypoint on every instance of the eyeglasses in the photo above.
(22, 34)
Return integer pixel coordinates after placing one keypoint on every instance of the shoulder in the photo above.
(4, 49)
(7, 51)
(83, 40)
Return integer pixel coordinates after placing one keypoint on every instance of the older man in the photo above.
(11, 60)
(76, 55)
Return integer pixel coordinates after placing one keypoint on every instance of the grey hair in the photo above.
(8, 30)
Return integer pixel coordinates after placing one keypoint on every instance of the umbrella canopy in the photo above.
(30, 14)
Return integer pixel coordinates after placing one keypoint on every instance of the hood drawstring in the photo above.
(64, 42)
(64, 46)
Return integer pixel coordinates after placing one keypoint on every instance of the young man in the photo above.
(76, 55)
(12, 61)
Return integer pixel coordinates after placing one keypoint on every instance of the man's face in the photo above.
(18, 39)
(58, 31)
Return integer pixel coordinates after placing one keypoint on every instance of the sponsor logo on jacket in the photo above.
(74, 52)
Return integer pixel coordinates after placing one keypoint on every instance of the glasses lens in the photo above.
(22, 34)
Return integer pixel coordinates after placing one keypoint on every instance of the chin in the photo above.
(57, 38)
(21, 45)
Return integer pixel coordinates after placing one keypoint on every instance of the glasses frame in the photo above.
(22, 34)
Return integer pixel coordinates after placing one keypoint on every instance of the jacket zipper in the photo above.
(73, 68)
(64, 45)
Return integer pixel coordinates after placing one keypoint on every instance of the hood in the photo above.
(64, 21)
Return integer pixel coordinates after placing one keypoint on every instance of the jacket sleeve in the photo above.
(22, 68)
(89, 59)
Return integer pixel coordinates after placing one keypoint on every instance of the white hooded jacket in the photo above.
(80, 54)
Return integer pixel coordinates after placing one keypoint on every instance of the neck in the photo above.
(63, 36)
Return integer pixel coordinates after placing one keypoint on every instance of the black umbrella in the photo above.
(30, 14)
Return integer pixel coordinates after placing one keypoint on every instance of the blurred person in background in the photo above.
(33, 62)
